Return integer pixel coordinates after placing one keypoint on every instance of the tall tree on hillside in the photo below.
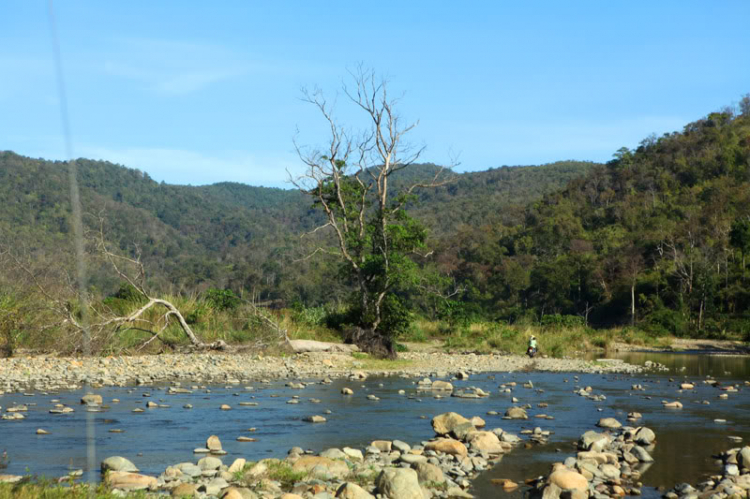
(374, 236)
(739, 238)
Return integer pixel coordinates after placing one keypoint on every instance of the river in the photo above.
(160, 437)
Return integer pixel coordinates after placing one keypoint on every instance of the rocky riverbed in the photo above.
(440, 467)
(60, 373)
(377, 399)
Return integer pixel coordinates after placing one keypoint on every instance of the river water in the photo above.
(159, 437)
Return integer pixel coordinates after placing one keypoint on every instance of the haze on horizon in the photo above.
(200, 93)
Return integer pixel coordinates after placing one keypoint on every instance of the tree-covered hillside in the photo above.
(658, 236)
(228, 234)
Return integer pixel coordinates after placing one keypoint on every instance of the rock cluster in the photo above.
(439, 468)
(732, 482)
(608, 464)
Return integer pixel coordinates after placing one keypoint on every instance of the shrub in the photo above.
(558, 320)
(222, 299)
(663, 321)
(455, 313)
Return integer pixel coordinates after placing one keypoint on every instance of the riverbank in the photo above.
(673, 345)
(65, 373)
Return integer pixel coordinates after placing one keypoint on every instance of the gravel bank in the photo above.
(46, 372)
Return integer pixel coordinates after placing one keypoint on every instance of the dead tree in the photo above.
(349, 179)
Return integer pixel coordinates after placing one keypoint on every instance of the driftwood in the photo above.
(138, 281)
(302, 346)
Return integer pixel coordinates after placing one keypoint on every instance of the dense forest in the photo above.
(230, 235)
(658, 237)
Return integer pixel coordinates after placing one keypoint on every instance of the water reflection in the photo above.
(693, 364)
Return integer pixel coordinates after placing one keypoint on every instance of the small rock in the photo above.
(315, 419)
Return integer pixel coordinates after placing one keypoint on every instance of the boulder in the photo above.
(478, 422)
(333, 454)
(471, 392)
(447, 446)
(485, 441)
(609, 471)
(118, 463)
(441, 385)
(353, 453)
(92, 399)
(641, 454)
(257, 470)
(569, 480)
(399, 483)
(237, 465)
(516, 413)
(551, 491)
(644, 436)
(429, 473)
(314, 419)
(400, 446)
(213, 443)
(238, 493)
(382, 445)
(185, 490)
(129, 481)
(209, 463)
(593, 441)
(214, 487)
(321, 466)
(446, 422)
(462, 430)
(743, 457)
(610, 423)
(353, 491)
(506, 483)
(189, 469)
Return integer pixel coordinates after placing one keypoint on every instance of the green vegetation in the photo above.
(653, 244)
(46, 489)
(657, 238)
(282, 472)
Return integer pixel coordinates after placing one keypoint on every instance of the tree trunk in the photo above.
(372, 341)
(632, 304)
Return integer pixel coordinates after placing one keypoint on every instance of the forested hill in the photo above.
(659, 236)
(231, 234)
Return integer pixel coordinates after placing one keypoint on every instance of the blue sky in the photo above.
(201, 92)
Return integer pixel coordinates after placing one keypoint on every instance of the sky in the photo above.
(202, 92)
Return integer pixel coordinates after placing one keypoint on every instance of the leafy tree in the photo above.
(745, 105)
(349, 180)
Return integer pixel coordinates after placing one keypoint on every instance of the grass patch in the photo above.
(48, 489)
(554, 341)
(365, 361)
(638, 337)
(284, 473)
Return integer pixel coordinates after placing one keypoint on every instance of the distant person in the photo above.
(531, 351)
